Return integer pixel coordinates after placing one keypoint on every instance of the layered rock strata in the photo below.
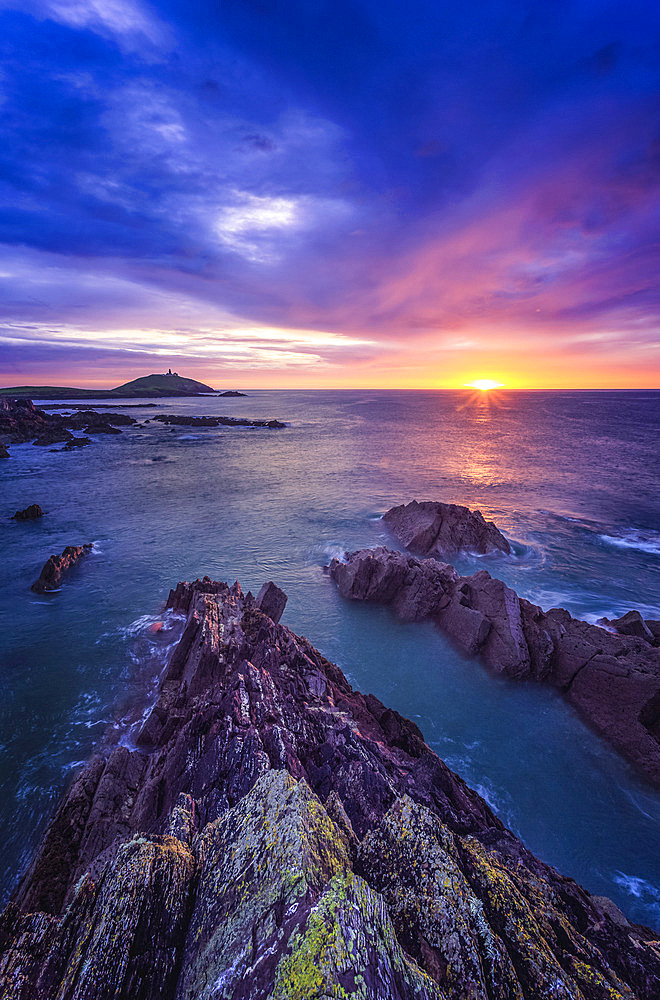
(431, 528)
(275, 834)
(613, 680)
(55, 566)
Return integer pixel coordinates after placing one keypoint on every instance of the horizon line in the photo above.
(368, 388)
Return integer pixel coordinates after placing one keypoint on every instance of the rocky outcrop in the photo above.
(613, 680)
(50, 577)
(632, 623)
(21, 421)
(275, 834)
(443, 530)
(231, 392)
(93, 422)
(30, 513)
(189, 421)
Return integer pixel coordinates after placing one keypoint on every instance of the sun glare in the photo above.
(484, 384)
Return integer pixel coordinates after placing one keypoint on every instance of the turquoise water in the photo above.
(572, 478)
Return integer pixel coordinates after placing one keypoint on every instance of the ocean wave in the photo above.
(635, 538)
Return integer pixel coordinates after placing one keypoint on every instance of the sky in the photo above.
(325, 193)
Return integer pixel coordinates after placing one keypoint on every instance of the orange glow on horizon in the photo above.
(417, 366)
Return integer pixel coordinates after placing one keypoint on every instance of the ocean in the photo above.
(572, 478)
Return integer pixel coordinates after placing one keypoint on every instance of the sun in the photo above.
(484, 384)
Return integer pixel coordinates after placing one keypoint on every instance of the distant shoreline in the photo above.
(56, 392)
(154, 386)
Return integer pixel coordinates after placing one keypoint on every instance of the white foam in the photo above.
(334, 551)
(635, 538)
(640, 888)
(169, 618)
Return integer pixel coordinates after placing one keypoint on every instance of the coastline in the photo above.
(132, 495)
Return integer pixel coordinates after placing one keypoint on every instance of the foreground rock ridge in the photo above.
(612, 679)
(272, 833)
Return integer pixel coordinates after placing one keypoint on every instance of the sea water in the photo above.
(572, 478)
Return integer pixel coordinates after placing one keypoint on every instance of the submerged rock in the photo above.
(205, 863)
(613, 680)
(30, 513)
(431, 528)
(50, 577)
(76, 442)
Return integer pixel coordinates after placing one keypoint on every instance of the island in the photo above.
(147, 387)
(269, 833)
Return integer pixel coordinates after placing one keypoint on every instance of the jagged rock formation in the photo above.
(271, 600)
(50, 577)
(438, 529)
(613, 680)
(632, 623)
(184, 420)
(20, 420)
(275, 834)
(29, 513)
